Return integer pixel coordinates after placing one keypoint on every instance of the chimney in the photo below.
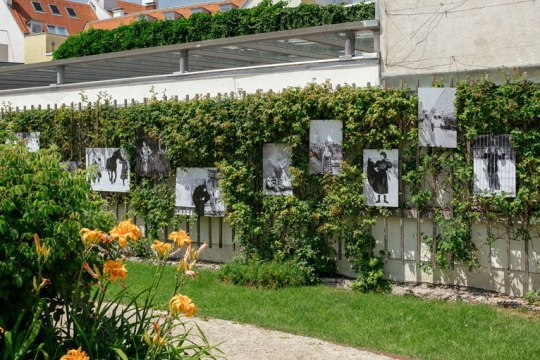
(150, 4)
(117, 12)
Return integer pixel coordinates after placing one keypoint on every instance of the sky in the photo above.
(168, 3)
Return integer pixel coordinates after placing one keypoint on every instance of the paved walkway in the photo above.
(248, 342)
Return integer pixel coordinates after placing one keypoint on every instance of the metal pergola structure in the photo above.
(347, 41)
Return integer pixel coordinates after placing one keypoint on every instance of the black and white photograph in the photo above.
(151, 159)
(198, 193)
(111, 168)
(30, 139)
(325, 146)
(276, 173)
(437, 122)
(381, 186)
(494, 165)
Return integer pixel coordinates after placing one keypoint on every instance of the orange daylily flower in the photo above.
(124, 231)
(114, 269)
(75, 354)
(180, 237)
(163, 249)
(90, 237)
(42, 250)
(157, 339)
(181, 303)
(1, 332)
(188, 262)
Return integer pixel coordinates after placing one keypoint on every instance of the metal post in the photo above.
(60, 74)
(350, 38)
(183, 61)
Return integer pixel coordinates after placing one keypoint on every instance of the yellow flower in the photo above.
(124, 231)
(42, 250)
(90, 237)
(114, 269)
(163, 249)
(181, 303)
(76, 354)
(180, 237)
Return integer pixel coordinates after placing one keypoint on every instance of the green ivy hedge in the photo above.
(266, 17)
(230, 132)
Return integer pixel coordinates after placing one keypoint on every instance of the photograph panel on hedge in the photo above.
(198, 193)
(111, 167)
(494, 165)
(276, 173)
(437, 121)
(30, 139)
(325, 146)
(381, 186)
(151, 158)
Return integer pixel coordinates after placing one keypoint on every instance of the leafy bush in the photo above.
(38, 196)
(51, 259)
(266, 17)
(533, 297)
(260, 274)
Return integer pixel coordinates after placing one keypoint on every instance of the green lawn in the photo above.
(394, 324)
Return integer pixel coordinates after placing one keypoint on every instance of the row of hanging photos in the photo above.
(197, 190)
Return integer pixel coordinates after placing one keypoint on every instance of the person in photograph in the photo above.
(278, 180)
(378, 177)
(326, 158)
(200, 197)
(145, 156)
(124, 170)
(492, 154)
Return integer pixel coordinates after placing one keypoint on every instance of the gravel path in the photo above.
(248, 342)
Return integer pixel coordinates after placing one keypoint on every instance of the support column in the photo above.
(184, 66)
(60, 74)
(350, 39)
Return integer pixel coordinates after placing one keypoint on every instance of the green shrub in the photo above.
(38, 196)
(270, 275)
(266, 17)
(533, 297)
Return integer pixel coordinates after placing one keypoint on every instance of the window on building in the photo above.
(71, 12)
(35, 27)
(93, 6)
(199, 10)
(37, 6)
(55, 10)
(171, 15)
(58, 30)
(226, 7)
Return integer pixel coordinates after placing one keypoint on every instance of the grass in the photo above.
(399, 325)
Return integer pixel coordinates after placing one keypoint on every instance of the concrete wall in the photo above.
(250, 80)
(430, 36)
(11, 35)
(4, 52)
(39, 47)
(507, 265)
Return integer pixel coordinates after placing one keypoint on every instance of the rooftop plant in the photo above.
(263, 18)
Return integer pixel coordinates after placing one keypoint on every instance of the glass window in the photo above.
(58, 30)
(170, 15)
(71, 12)
(35, 27)
(55, 10)
(38, 7)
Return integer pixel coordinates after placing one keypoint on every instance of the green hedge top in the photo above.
(266, 17)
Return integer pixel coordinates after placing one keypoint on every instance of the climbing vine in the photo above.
(229, 133)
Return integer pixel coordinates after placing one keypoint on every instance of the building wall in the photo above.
(250, 80)
(431, 36)
(11, 35)
(39, 47)
(4, 53)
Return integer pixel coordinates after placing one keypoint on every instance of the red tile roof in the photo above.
(185, 11)
(130, 8)
(23, 11)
